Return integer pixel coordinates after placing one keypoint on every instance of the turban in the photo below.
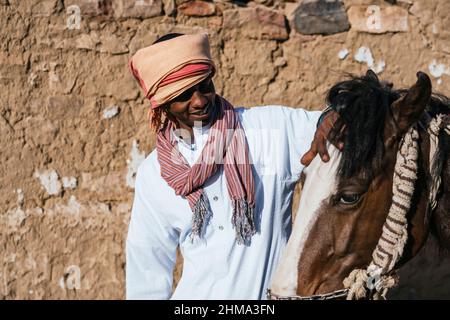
(166, 69)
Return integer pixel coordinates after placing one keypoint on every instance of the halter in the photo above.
(326, 296)
(381, 275)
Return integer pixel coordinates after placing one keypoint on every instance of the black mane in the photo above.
(363, 103)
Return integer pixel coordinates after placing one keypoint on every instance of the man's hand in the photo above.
(319, 143)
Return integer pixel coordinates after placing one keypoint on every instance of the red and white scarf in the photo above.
(164, 71)
(226, 145)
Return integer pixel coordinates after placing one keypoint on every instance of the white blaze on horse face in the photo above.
(320, 183)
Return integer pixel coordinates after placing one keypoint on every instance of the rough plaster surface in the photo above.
(73, 123)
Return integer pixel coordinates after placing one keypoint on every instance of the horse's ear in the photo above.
(407, 109)
(370, 74)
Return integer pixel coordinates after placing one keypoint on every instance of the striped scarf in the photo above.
(226, 145)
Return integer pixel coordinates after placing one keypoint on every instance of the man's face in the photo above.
(195, 105)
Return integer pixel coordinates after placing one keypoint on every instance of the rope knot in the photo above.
(356, 284)
(360, 283)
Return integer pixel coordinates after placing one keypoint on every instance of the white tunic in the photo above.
(216, 267)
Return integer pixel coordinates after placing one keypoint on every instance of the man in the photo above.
(219, 184)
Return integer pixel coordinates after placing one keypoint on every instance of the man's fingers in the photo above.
(309, 155)
(341, 138)
(337, 138)
(319, 144)
(307, 158)
(322, 149)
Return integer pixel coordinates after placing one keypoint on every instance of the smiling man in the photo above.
(219, 184)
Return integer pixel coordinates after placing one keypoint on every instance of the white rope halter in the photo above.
(380, 275)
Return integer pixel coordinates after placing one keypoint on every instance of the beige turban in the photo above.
(168, 68)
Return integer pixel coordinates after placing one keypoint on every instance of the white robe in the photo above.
(216, 267)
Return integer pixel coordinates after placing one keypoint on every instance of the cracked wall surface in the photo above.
(73, 122)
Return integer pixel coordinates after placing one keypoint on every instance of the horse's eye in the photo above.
(349, 198)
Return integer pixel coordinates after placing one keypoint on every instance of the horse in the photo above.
(370, 209)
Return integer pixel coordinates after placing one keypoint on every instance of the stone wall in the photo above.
(73, 126)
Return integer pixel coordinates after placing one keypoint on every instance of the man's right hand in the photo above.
(319, 143)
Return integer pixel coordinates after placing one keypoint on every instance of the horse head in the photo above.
(370, 208)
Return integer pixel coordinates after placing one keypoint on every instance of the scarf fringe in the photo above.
(243, 221)
(200, 215)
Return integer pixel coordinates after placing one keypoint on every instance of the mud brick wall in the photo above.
(73, 125)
